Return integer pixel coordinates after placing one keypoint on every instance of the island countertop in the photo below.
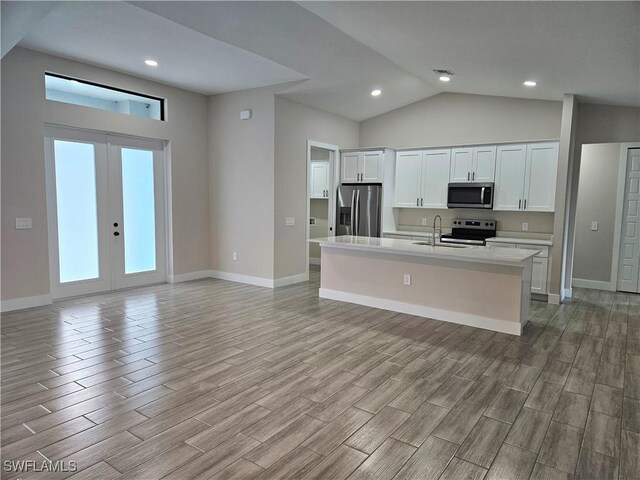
(495, 255)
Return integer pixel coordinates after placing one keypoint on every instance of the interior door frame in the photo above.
(617, 229)
(52, 132)
(334, 178)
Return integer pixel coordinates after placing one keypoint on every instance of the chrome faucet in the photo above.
(433, 236)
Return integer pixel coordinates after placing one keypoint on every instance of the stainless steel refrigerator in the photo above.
(358, 209)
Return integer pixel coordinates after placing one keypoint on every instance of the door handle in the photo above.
(417, 201)
(525, 203)
(468, 176)
(519, 204)
(422, 202)
(116, 234)
(358, 213)
(473, 176)
(482, 196)
(353, 212)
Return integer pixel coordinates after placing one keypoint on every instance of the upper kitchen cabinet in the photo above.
(422, 177)
(540, 180)
(526, 177)
(408, 179)
(319, 180)
(362, 167)
(473, 164)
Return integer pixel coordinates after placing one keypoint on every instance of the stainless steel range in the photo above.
(470, 232)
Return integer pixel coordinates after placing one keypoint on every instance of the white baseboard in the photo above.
(568, 292)
(283, 282)
(553, 299)
(236, 277)
(25, 302)
(593, 284)
(512, 328)
(314, 261)
(187, 277)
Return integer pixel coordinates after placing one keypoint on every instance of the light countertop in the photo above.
(520, 240)
(480, 254)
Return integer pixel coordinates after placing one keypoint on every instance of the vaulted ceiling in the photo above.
(330, 55)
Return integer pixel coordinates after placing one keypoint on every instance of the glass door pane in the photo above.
(138, 208)
(77, 211)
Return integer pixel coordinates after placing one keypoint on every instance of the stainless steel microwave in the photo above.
(470, 195)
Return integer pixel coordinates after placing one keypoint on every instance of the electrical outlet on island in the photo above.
(525, 226)
(424, 221)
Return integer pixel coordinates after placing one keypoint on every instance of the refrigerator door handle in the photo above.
(353, 212)
(358, 213)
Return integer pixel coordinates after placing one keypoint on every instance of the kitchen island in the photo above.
(485, 287)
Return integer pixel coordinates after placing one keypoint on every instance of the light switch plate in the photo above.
(424, 221)
(407, 279)
(23, 223)
(234, 256)
(289, 221)
(594, 226)
(525, 226)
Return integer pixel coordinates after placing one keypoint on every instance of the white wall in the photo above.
(25, 258)
(458, 119)
(294, 125)
(242, 182)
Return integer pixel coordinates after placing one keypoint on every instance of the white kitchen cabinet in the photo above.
(408, 179)
(484, 164)
(473, 164)
(435, 173)
(511, 161)
(540, 179)
(422, 178)
(319, 180)
(526, 177)
(461, 165)
(362, 167)
(539, 275)
(540, 267)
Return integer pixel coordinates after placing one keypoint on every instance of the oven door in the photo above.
(470, 195)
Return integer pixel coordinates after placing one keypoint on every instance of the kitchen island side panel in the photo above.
(495, 297)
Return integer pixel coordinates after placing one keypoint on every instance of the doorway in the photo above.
(106, 211)
(321, 188)
(629, 256)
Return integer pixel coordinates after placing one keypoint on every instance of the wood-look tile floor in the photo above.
(212, 379)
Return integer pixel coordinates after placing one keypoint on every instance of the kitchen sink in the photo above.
(438, 244)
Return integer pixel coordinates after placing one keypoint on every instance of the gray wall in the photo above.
(597, 193)
(458, 119)
(294, 125)
(242, 182)
(25, 255)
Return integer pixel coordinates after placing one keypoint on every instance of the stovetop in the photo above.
(470, 231)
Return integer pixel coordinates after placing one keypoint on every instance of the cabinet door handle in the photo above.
(519, 204)
(525, 203)
(422, 202)
(473, 176)
(417, 202)
(468, 175)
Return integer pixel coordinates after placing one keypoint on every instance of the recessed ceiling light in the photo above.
(530, 83)
(151, 63)
(445, 78)
(376, 92)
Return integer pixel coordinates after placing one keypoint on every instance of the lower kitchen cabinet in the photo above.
(540, 268)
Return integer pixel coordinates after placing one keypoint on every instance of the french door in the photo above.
(106, 211)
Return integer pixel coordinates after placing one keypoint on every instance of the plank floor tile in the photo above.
(213, 379)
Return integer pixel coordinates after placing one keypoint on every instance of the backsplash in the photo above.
(539, 222)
